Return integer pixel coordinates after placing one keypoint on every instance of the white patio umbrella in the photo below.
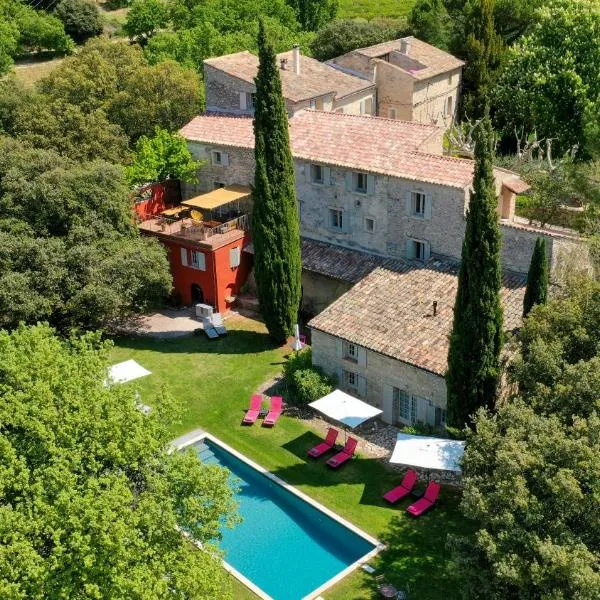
(345, 409)
(297, 344)
(126, 371)
(431, 453)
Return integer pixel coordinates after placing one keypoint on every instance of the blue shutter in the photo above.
(428, 203)
(370, 184)
(349, 179)
(410, 249)
(408, 199)
(326, 176)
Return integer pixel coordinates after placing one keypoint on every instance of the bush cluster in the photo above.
(305, 382)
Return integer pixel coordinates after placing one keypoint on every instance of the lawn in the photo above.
(215, 379)
(370, 9)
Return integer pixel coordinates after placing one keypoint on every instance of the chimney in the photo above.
(296, 58)
(283, 63)
(405, 46)
(434, 308)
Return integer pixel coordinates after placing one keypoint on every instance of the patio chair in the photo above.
(427, 501)
(217, 321)
(404, 489)
(325, 446)
(274, 411)
(209, 329)
(346, 454)
(254, 410)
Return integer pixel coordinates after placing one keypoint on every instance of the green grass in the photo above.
(372, 9)
(215, 380)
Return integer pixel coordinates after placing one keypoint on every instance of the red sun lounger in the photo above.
(254, 410)
(346, 454)
(325, 446)
(274, 412)
(404, 489)
(427, 501)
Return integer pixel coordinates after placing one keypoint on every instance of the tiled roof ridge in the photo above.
(454, 159)
(547, 232)
(415, 124)
(213, 58)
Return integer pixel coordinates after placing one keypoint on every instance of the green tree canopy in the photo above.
(429, 21)
(81, 19)
(476, 338)
(275, 221)
(314, 14)
(551, 79)
(69, 253)
(161, 157)
(92, 500)
(145, 18)
(537, 278)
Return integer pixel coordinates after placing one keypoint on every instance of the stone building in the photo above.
(415, 81)
(306, 83)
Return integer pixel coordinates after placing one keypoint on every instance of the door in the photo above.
(197, 294)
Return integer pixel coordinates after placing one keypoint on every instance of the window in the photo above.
(250, 100)
(217, 157)
(418, 204)
(198, 261)
(369, 225)
(336, 218)
(234, 257)
(217, 185)
(350, 352)
(360, 182)
(316, 174)
(419, 250)
(351, 379)
(449, 111)
(319, 104)
(313, 103)
(450, 79)
(184, 256)
(404, 407)
(392, 113)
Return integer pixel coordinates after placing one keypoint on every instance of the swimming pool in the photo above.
(286, 546)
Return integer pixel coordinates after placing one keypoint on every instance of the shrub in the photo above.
(305, 382)
(81, 19)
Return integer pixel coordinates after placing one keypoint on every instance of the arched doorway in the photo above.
(197, 294)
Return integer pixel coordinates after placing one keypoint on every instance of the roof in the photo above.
(315, 78)
(391, 312)
(219, 197)
(516, 185)
(423, 60)
(378, 145)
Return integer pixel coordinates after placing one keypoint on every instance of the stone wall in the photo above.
(394, 91)
(379, 371)
(430, 98)
(357, 63)
(319, 291)
(223, 91)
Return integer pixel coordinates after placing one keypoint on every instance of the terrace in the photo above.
(211, 219)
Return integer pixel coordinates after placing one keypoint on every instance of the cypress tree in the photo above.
(476, 338)
(275, 220)
(537, 277)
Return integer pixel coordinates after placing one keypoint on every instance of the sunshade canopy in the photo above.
(345, 409)
(219, 197)
(126, 371)
(425, 452)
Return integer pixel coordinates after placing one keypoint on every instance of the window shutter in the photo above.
(243, 103)
(362, 356)
(410, 249)
(388, 403)
(346, 221)
(326, 176)
(225, 159)
(370, 184)
(308, 172)
(234, 257)
(428, 203)
(340, 376)
(408, 198)
(362, 107)
(362, 386)
(184, 257)
(201, 259)
(349, 178)
(339, 348)
(427, 251)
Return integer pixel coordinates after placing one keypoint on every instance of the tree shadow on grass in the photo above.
(237, 341)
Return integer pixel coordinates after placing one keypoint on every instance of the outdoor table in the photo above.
(417, 493)
(387, 590)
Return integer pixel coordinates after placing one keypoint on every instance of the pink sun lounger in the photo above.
(404, 489)
(427, 501)
(274, 411)
(325, 446)
(254, 410)
(346, 454)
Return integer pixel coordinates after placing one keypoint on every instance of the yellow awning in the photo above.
(219, 197)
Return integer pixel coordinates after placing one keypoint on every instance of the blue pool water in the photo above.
(284, 545)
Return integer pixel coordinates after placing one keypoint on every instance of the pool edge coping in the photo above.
(193, 437)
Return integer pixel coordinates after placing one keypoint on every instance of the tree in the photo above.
(145, 18)
(537, 278)
(40, 31)
(275, 221)
(342, 36)
(476, 338)
(81, 19)
(69, 252)
(93, 502)
(164, 156)
(483, 53)
(550, 81)
(531, 490)
(314, 14)
(429, 21)
(9, 42)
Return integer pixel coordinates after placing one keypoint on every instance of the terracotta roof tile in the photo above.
(390, 311)
(315, 78)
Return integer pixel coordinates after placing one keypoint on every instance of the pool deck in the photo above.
(199, 434)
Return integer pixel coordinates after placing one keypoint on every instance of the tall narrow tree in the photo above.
(537, 277)
(275, 220)
(476, 339)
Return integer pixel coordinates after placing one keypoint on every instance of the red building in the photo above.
(206, 236)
